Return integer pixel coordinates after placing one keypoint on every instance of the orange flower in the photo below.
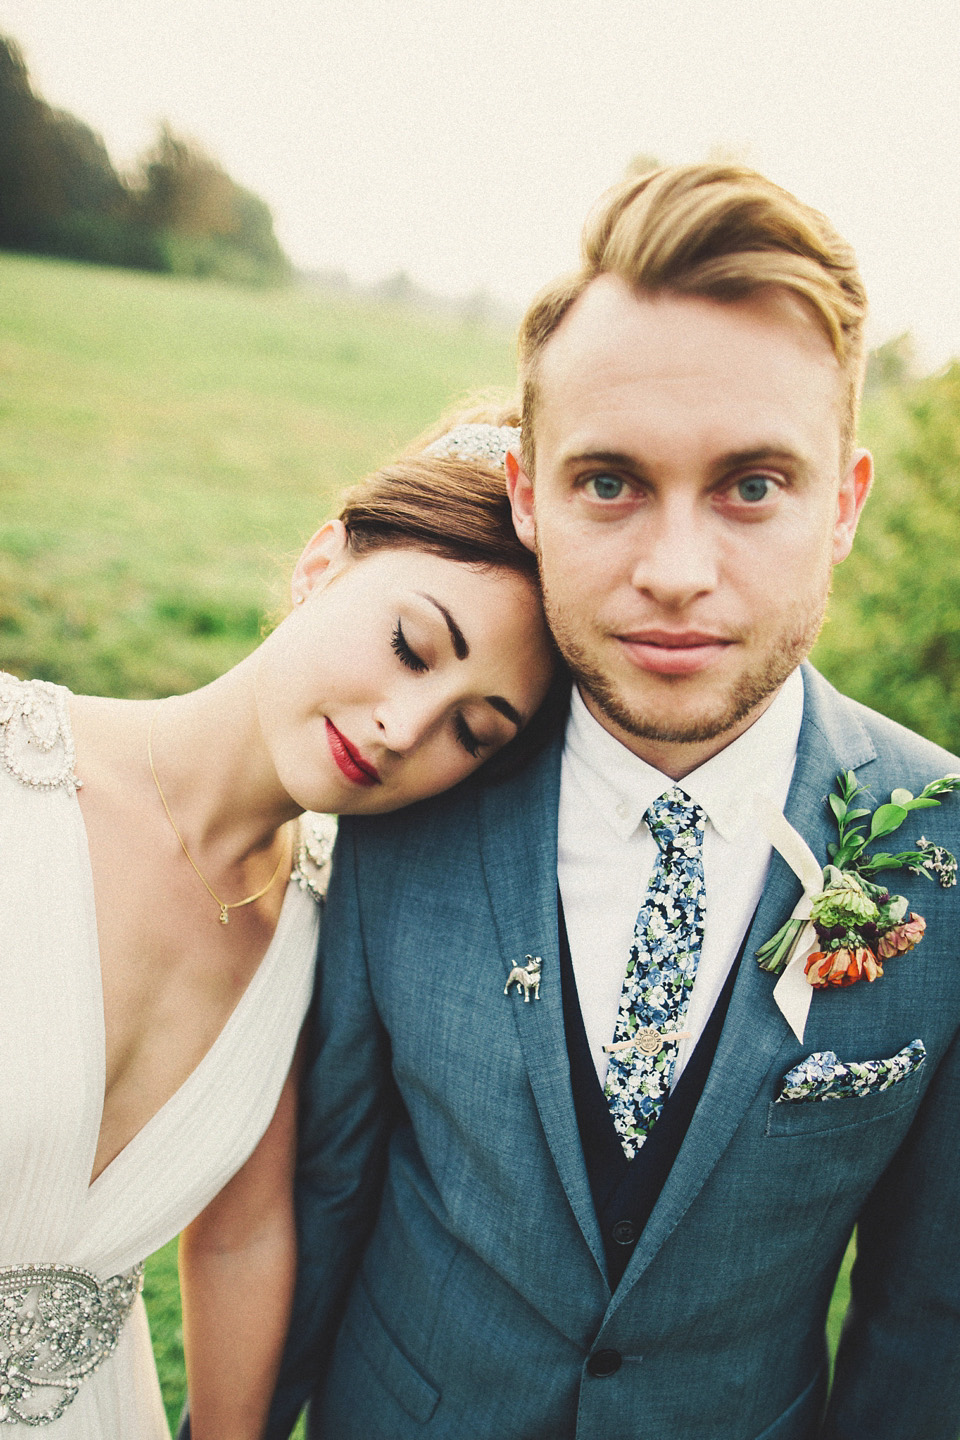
(902, 937)
(842, 967)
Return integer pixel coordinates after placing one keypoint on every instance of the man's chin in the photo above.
(662, 729)
(682, 716)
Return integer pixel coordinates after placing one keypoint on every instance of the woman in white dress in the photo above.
(155, 968)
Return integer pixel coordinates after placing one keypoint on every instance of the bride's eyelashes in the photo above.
(404, 653)
(466, 737)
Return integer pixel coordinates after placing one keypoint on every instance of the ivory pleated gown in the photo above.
(52, 1074)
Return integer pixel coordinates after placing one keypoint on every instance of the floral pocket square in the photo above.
(823, 1077)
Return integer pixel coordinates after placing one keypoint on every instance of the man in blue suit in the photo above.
(615, 1206)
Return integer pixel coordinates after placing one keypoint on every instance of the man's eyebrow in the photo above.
(757, 454)
(617, 459)
(460, 647)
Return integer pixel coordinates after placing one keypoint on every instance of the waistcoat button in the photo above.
(625, 1232)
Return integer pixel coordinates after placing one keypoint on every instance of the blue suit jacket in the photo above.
(452, 1280)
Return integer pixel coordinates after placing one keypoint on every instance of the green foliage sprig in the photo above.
(847, 852)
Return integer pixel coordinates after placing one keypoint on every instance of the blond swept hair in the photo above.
(720, 231)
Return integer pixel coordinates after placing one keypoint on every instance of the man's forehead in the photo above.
(619, 350)
(611, 314)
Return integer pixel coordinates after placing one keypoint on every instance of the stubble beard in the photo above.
(781, 657)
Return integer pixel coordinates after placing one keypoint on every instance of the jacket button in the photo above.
(624, 1232)
(604, 1362)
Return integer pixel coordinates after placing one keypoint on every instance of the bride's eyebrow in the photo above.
(505, 708)
(460, 647)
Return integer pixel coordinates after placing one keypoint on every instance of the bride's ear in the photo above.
(319, 559)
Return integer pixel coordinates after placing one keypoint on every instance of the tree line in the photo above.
(180, 212)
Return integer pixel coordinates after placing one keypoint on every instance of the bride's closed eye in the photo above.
(408, 656)
(466, 737)
(404, 653)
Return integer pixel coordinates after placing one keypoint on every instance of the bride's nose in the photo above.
(404, 722)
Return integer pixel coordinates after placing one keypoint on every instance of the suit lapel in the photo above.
(518, 846)
(831, 740)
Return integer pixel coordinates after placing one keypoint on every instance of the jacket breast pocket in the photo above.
(825, 1115)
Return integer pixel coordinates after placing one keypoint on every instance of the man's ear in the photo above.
(319, 560)
(854, 489)
(520, 491)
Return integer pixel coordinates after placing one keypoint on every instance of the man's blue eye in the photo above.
(607, 487)
(753, 488)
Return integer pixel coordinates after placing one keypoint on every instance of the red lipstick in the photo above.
(349, 760)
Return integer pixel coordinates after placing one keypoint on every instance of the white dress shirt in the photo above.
(606, 854)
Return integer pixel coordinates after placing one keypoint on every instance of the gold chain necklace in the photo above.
(225, 905)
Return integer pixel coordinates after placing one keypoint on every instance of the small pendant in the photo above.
(224, 917)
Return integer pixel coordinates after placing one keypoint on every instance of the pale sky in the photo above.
(463, 143)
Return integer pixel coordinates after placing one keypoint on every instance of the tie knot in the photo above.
(676, 822)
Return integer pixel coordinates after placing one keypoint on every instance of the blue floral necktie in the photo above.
(664, 955)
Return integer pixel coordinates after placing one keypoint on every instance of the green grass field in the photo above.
(165, 448)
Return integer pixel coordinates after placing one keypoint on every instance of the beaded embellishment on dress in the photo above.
(35, 742)
(313, 853)
(58, 1324)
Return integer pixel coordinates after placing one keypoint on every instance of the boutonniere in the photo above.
(849, 923)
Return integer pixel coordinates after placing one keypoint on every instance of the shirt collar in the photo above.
(622, 786)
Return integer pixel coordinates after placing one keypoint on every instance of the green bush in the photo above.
(893, 635)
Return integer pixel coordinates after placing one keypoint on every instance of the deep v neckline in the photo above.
(174, 1102)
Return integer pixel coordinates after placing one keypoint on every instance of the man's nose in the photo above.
(677, 558)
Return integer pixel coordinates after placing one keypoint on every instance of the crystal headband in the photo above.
(487, 443)
(58, 1324)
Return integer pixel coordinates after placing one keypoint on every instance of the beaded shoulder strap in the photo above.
(36, 745)
(314, 852)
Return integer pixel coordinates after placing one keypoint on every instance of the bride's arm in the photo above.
(237, 1271)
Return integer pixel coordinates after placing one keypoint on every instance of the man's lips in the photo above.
(349, 760)
(673, 652)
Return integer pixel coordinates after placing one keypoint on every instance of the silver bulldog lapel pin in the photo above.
(526, 977)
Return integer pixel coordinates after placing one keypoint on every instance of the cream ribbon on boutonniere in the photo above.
(793, 991)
